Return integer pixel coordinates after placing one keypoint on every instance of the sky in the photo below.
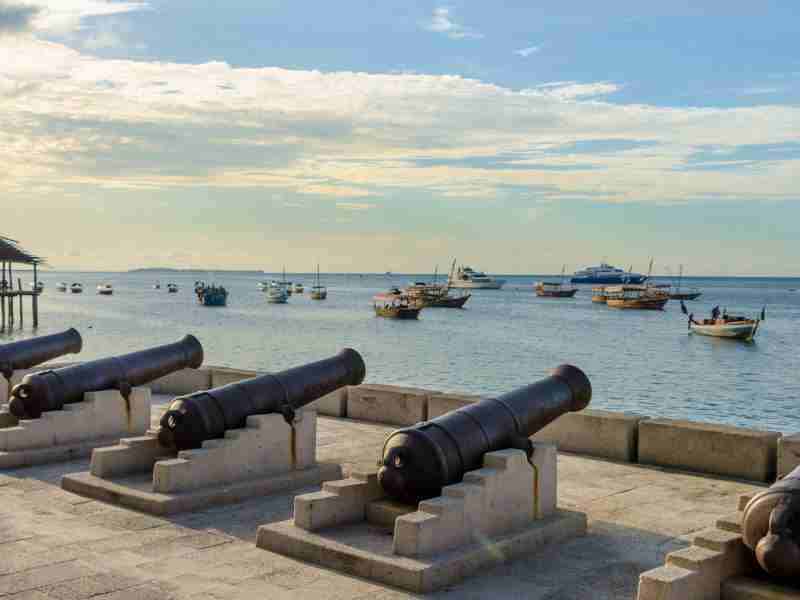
(375, 136)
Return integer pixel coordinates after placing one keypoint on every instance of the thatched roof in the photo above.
(11, 252)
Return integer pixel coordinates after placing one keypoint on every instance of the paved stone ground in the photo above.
(57, 545)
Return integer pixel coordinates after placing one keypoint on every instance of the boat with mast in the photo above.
(645, 296)
(684, 294)
(726, 326)
(467, 278)
(318, 291)
(276, 293)
(555, 289)
(436, 295)
(394, 304)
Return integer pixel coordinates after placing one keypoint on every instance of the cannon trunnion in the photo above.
(771, 527)
(192, 419)
(418, 461)
(35, 351)
(50, 390)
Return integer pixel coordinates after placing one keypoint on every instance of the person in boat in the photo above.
(724, 314)
(715, 313)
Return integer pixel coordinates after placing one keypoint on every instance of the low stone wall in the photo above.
(389, 404)
(709, 448)
(439, 404)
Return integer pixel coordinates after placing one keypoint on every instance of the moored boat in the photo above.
(36, 286)
(396, 305)
(61, 286)
(211, 295)
(172, 288)
(318, 291)
(468, 278)
(684, 293)
(599, 294)
(640, 297)
(276, 293)
(555, 289)
(298, 288)
(157, 285)
(105, 289)
(76, 288)
(737, 328)
(606, 274)
(436, 295)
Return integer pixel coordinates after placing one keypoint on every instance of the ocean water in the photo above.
(638, 361)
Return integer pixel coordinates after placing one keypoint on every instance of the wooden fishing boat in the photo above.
(435, 295)
(211, 295)
(684, 294)
(599, 294)
(276, 293)
(735, 328)
(298, 288)
(318, 291)
(555, 289)
(641, 297)
(396, 305)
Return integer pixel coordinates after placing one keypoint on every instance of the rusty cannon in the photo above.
(418, 461)
(205, 415)
(35, 351)
(771, 527)
(51, 390)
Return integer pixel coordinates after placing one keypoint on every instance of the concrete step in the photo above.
(384, 512)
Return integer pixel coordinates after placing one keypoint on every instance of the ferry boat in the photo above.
(211, 295)
(172, 288)
(276, 293)
(468, 278)
(606, 274)
(396, 305)
(555, 289)
(76, 288)
(599, 294)
(61, 286)
(318, 291)
(105, 289)
(640, 297)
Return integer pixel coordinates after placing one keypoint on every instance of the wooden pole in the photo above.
(3, 297)
(19, 287)
(10, 298)
(35, 298)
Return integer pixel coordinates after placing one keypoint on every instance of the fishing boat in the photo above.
(640, 297)
(61, 286)
(298, 288)
(599, 294)
(318, 291)
(724, 325)
(172, 288)
(436, 295)
(468, 278)
(105, 289)
(211, 295)
(684, 294)
(396, 305)
(555, 289)
(276, 293)
(606, 274)
(76, 288)
(157, 285)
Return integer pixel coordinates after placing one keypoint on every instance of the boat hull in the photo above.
(448, 302)
(397, 312)
(609, 280)
(105, 292)
(495, 284)
(732, 331)
(213, 300)
(556, 293)
(685, 295)
(638, 303)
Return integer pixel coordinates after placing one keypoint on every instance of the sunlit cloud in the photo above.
(526, 52)
(442, 22)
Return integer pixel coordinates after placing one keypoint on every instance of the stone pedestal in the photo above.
(505, 509)
(267, 456)
(102, 418)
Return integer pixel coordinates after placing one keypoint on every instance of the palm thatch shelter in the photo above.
(12, 253)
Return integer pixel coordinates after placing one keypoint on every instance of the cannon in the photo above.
(205, 415)
(418, 461)
(29, 353)
(771, 527)
(51, 390)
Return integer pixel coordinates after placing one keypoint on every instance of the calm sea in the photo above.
(638, 361)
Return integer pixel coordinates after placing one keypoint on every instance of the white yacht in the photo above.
(62, 286)
(105, 289)
(467, 278)
(37, 286)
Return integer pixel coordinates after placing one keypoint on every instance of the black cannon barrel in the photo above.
(771, 527)
(29, 353)
(192, 419)
(50, 390)
(418, 461)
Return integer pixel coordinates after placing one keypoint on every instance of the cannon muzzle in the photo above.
(35, 351)
(418, 461)
(771, 527)
(51, 390)
(205, 415)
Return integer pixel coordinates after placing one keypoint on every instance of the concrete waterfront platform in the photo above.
(57, 544)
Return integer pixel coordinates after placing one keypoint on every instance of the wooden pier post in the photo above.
(19, 287)
(35, 298)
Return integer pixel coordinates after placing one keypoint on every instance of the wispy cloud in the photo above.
(442, 22)
(759, 91)
(526, 52)
(16, 18)
(570, 90)
(64, 16)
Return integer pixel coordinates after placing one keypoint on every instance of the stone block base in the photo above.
(266, 456)
(73, 432)
(366, 551)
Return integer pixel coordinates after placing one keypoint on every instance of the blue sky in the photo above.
(370, 136)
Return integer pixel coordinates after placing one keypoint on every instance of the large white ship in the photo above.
(606, 274)
(468, 278)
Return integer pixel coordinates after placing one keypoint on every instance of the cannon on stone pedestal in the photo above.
(35, 351)
(190, 420)
(771, 527)
(51, 390)
(418, 461)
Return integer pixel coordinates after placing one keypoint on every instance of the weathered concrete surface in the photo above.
(709, 448)
(223, 376)
(56, 543)
(387, 404)
(788, 453)
(333, 404)
(439, 404)
(183, 382)
(601, 433)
